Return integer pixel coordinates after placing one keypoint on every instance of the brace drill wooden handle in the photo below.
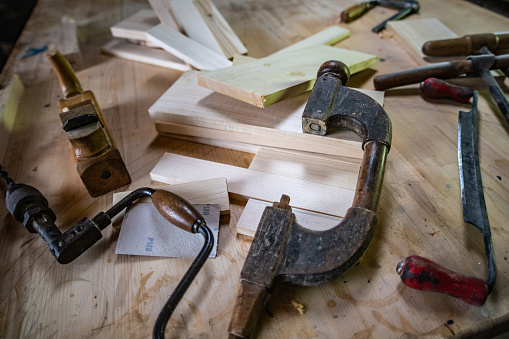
(177, 210)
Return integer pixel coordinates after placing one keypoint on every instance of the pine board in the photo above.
(223, 32)
(268, 80)
(329, 36)
(147, 55)
(250, 218)
(136, 26)
(163, 12)
(186, 49)
(244, 183)
(413, 33)
(190, 19)
(204, 113)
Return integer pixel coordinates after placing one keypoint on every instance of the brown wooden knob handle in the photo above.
(176, 210)
(336, 68)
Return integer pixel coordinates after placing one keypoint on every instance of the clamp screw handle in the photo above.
(335, 68)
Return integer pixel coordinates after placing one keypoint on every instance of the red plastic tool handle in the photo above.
(425, 275)
(435, 88)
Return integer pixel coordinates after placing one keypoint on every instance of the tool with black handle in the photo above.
(425, 275)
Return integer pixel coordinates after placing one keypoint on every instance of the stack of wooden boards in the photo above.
(208, 43)
(248, 104)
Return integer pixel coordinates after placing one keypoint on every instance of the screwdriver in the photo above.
(437, 89)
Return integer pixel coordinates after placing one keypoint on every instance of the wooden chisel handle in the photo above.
(353, 13)
(425, 275)
(465, 45)
(68, 81)
(437, 89)
(442, 70)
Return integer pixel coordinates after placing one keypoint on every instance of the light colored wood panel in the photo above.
(186, 49)
(163, 12)
(69, 44)
(217, 116)
(268, 80)
(147, 55)
(228, 40)
(305, 167)
(245, 183)
(413, 33)
(329, 36)
(136, 26)
(191, 20)
(250, 218)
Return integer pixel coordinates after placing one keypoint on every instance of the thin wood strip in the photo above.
(250, 218)
(244, 183)
(186, 49)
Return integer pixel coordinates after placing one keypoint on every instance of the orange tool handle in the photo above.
(355, 12)
(425, 275)
(437, 89)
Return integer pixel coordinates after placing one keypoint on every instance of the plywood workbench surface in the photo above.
(104, 295)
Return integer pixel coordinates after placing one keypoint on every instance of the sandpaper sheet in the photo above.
(145, 232)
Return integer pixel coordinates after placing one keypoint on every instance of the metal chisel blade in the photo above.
(472, 196)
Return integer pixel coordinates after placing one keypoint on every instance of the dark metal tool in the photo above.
(445, 70)
(405, 7)
(98, 161)
(423, 274)
(283, 250)
(28, 206)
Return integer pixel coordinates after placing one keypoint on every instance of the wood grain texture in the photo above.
(244, 183)
(191, 20)
(413, 33)
(201, 112)
(147, 55)
(250, 218)
(163, 11)
(9, 102)
(103, 295)
(186, 49)
(329, 36)
(136, 26)
(268, 80)
(223, 32)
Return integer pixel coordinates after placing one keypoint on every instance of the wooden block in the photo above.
(68, 44)
(214, 191)
(268, 80)
(250, 218)
(244, 183)
(195, 27)
(147, 55)
(9, 100)
(320, 169)
(186, 49)
(329, 36)
(192, 110)
(412, 34)
(228, 40)
(163, 12)
(136, 26)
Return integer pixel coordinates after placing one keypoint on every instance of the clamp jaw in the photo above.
(283, 250)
